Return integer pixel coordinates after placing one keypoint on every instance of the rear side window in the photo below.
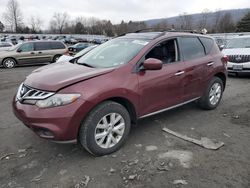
(191, 48)
(57, 45)
(207, 43)
(42, 46)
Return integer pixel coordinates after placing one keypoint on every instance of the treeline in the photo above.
(61, 23)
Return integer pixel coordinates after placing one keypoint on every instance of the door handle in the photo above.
(210, 64)
(40, 52)
(179, 73)
(32, 53)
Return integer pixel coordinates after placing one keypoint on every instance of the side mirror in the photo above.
(19, 50)
(152, 64)
(221, 47)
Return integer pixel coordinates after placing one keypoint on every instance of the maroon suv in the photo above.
(96, 99)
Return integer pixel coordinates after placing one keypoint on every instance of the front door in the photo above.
(160, 89)
(26, 54)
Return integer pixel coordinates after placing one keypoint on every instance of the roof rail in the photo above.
(168, 30)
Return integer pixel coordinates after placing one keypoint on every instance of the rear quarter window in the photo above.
(207, 43)
(57, 45)
(191, 48)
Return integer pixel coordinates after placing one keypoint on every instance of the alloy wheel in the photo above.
(109, 130)
(215, 93)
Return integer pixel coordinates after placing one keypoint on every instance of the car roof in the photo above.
(239, 37)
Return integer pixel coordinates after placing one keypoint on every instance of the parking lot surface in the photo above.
(150, 157)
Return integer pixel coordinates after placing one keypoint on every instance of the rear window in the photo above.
(191, 48)
(42, 46)
(207, 43)
(57, 45)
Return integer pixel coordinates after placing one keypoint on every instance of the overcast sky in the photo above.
(117, 10)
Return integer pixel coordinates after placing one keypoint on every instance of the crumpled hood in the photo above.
(58, 75)
(236, 51)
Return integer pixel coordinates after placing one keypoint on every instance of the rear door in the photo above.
(25, 54)
(163, 88)
(42, 50)
(195, 60)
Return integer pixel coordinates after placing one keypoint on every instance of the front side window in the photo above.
(27, 47)
(191, 48)
(166, 51)
(113, 53)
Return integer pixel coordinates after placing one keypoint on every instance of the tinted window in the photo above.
(27, 47)
(207, 43)
(166, 52)
(42, 46)
(191, 48)
(57, 45)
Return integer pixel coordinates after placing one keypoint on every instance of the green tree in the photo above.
(244, 24)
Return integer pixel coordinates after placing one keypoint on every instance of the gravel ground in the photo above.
(150, 157)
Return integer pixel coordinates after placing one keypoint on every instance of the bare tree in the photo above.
(185, 21)
(58, 22)
(13, 15)
(226, 24)
(35, 24)
(203, 23)
(217, 18)
(1, 27)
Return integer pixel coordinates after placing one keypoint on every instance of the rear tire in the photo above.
(9, 63)
(212, 97)
(105, 129)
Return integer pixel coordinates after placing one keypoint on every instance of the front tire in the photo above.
(56, 57)
(105, 129)
(212, 97)
(9, 63)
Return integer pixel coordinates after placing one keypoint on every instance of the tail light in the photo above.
(224, 60)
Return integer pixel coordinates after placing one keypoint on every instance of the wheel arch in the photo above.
(10, 58)
(127, 104)
(223, 77)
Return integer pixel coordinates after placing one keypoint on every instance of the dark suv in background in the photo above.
(96, 99)
(34, 52)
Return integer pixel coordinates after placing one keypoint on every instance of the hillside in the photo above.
(237, 14)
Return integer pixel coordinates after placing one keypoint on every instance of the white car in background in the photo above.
(5, 46)
(66, 58)
(238, 52)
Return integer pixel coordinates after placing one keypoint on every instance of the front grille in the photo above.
(239, 58)
(27, 93)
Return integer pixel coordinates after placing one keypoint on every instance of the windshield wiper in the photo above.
(85, 64)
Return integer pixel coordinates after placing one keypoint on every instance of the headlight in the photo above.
(57, 100)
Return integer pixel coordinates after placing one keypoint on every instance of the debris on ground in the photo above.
(236, 117)
(132, 177)
(184, 157)
(225, 134)
(39, 176)
(151, 148)
(84, 182)
(133, 162)
(6, 156)
(204, 142)
(178, 182)
(112, 170)
(138, 145)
